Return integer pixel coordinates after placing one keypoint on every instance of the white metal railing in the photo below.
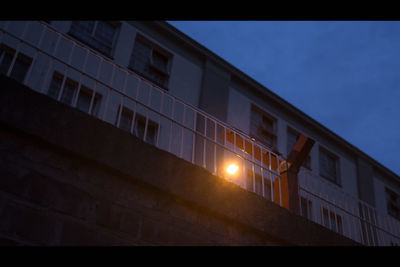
(181, 129)
(343, 213)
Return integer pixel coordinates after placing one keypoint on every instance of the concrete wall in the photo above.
(70, 179)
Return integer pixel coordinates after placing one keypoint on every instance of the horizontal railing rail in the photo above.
(233, 141)
(359, 220)
(173, 125)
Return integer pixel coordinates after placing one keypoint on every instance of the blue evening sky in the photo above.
(344, 74)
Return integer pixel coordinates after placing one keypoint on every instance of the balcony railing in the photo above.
(72, 73)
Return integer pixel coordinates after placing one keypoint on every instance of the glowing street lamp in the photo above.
(232, 169)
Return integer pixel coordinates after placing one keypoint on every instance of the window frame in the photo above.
(134, 119)
(273, 134)
(20, 58)
(116, 24)
(337, 179)
(388, 194)
(158, 49)
(58, 77)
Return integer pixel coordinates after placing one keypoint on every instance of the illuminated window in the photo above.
(292, 137)
(100, 35)
(263, 127)
(329, 166)
(69, 94)
(21, 65)
(151, 61)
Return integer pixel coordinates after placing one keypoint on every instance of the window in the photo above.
(263, 127)
(21, 65)
(100, 35)
(292, 137)
(329, 166)
(332, 221)
(139, 126)
(393, 203)
(151, 61)
(69, 93)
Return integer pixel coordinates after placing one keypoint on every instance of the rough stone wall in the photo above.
(69, 179)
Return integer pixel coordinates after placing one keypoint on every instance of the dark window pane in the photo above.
(140, 124)
(125, 121)
(328, 166)
(55, 86)
(262, 128)
(68, 93)
(105, 32)
(99, 35)
(84, 98)
(19, 70)
(6, 58)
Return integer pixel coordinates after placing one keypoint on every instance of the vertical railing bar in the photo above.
(348, 218)
(108, 97)
(329, 212)
(215, 147)
(262, 180)
(182, 133)
(370, 239)
(371, 227)
(270, 176)
(204, 143)
(170, 129)
(390, 225)
(62, 84)
(382, 228)
(321, 209)
(361, 222)
(194, 135)
(122, 100)
(25, 82)
(252, 165)
(280, 192)
(133, 119)
(147, 114)
(92, 99)
(121, 107)
(51, 62)
(357, 218)
(66, 73)
(315, 209)
(159, 118)
(106, 104)
(17, 49)
(94, 89)
(336, 215)
(254, 177)
(80, 79)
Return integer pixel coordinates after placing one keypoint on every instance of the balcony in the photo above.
(56, 65)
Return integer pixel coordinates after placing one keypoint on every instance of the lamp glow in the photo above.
(232, 169)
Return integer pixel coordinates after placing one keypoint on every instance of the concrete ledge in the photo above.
(27, 112)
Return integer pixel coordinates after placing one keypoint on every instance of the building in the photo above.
(153, 81)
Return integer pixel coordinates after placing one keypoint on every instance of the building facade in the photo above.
(155, 82)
